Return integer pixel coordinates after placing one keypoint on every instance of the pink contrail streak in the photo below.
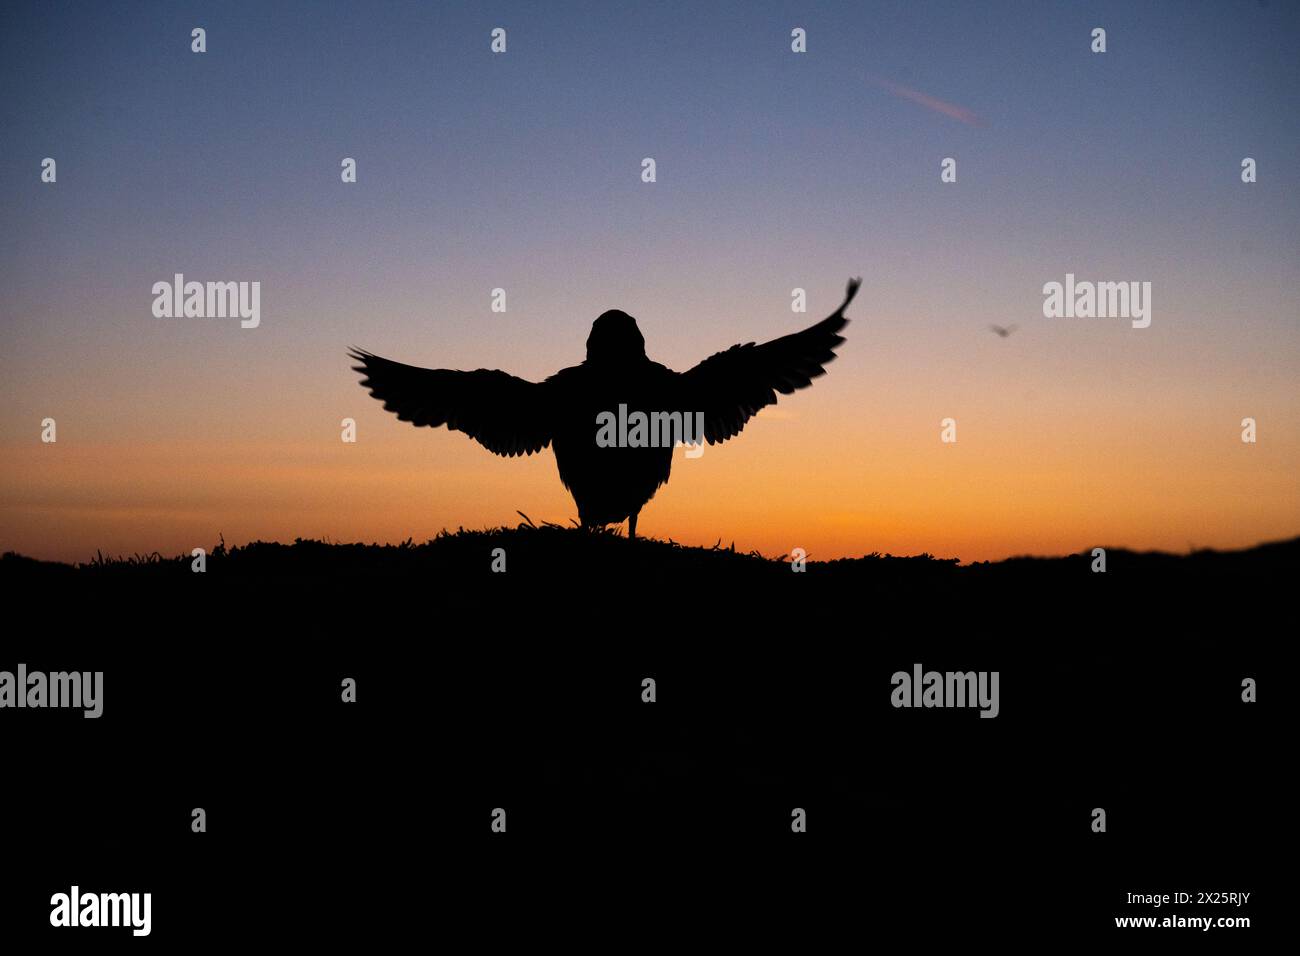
(959, 113)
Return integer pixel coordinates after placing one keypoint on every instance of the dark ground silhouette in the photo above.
(522, 690)
(553, 553)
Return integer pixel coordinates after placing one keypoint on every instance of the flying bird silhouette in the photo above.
(510, 416)
(1001, 331)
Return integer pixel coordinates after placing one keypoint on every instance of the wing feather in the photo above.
(732, 386)
(506, 415)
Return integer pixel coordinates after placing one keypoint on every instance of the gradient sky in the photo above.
(775, 171)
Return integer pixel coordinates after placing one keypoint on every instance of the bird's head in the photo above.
(614, 336)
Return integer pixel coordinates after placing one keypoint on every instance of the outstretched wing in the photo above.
(506, 415)
(730, 387)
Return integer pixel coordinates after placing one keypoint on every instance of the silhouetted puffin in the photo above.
(510, 416)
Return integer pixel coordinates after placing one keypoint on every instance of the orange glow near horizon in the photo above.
(1069, 435)
(1039, 479)
(1051, 456)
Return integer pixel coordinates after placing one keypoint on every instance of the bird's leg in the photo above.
(631, 526)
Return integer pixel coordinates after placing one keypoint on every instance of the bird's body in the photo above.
(610, 482)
